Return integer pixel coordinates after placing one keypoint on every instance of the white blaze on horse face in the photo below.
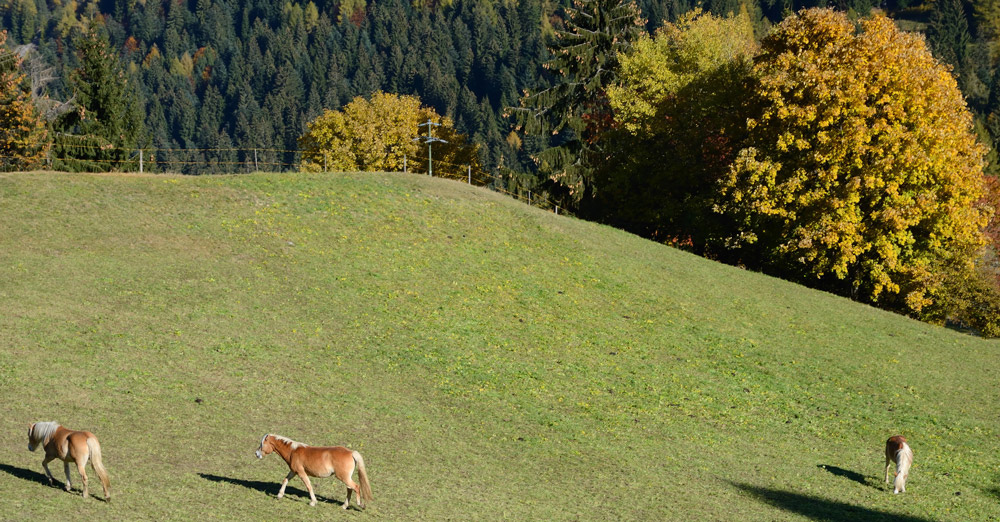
(259, 454)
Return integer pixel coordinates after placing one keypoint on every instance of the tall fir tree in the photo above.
(107, 127)
(575, 110)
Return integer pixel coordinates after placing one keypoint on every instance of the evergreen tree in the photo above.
(948, 33)
(107, 127)
(575, 110)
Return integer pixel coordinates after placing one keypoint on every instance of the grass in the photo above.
(490, 361)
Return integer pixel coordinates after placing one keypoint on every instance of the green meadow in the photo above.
(490, 360)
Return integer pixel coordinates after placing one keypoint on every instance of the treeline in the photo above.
(213, 76)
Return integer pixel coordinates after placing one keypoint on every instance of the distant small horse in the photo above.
(306, 461)
(898, 451)
(70, 446)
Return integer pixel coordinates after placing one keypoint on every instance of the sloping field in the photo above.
(489, 360)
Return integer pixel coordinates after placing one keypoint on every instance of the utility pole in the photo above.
(429, 140)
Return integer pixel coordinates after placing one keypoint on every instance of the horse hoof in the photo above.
(313, 503)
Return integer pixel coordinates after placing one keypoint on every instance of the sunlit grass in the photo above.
(489, 360)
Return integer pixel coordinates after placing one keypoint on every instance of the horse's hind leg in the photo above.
(888, 464)
(69, 487)
(83, 474)
(344, 474)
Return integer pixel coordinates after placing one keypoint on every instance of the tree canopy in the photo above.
(379, 134)
(679, 95)
(575, 109)
(861, 170)
(23, 134)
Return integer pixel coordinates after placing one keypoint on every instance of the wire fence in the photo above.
(94, 158)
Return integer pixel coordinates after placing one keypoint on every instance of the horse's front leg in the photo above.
(309, 486)
(281, 492)
(45, 466)
(69, 487)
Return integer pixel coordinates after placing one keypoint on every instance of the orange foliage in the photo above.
(23, 135)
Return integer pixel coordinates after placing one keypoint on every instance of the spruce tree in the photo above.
(575, 110)
(107, 127)
(948, 33)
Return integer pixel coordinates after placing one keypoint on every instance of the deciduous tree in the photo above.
(677, 107)
(861, 173)
(376, 134)
(23, 134)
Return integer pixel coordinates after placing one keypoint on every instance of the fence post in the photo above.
(557, 210)
(255, 168)
(404, 164)
(140, 161)
(470, 174)
(326, 161)
(529, 197)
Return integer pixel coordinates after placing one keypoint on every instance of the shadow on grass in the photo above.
(848, 474)
(26, 474)
(822, 509)
(270, 488)
(34, 476)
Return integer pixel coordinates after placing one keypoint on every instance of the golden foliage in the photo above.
(23, 135)
(862, 163)
(377, 134)
(656, 69)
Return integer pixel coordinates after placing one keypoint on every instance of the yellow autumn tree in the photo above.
(23, 135)
(654, 74)
(376, 134)
(861, 173)
(678, 123)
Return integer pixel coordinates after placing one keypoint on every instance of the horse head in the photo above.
(265, 446)
(31, 442)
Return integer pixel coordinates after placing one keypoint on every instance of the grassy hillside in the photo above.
(489, 360)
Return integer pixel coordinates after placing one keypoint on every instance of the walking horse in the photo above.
(70, 446)
(898, 451)
(319, 461)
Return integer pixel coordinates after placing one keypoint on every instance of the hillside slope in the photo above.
(489, 360)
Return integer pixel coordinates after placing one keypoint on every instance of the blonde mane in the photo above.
(41, 432)
(289, 441)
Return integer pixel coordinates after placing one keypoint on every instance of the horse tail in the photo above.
(95, 461)
(366, 489)
(904, 458)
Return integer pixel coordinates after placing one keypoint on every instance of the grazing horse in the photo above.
(898, 451)
(70, 446)
(305, 461)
